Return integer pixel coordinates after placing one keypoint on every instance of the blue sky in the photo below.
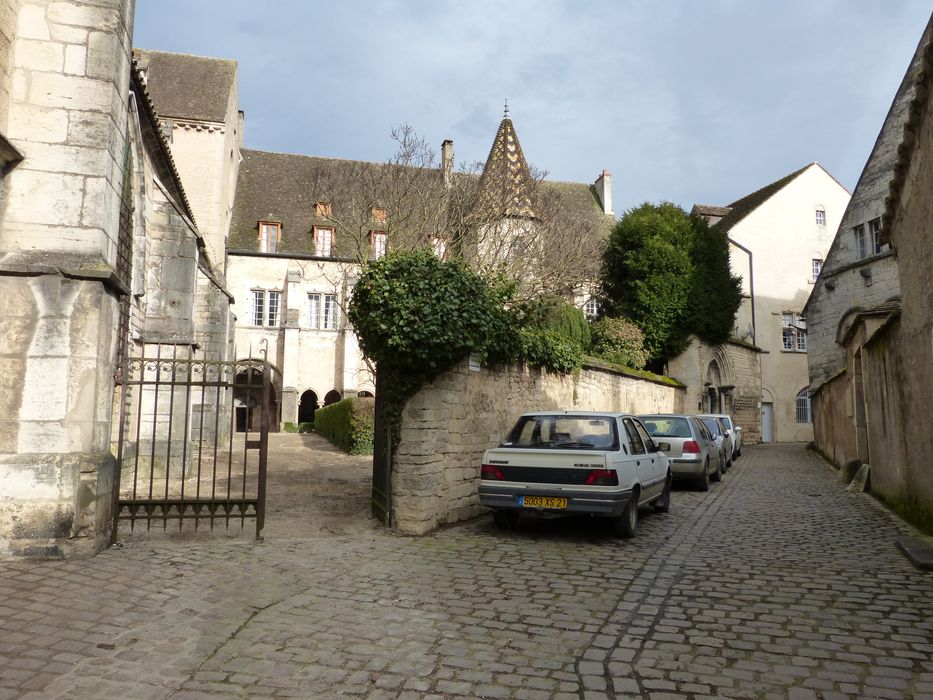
(685, 101)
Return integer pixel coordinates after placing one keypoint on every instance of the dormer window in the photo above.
(378, 241)
(324, 210)
(323, 241)
(270, 233)
(379, 215)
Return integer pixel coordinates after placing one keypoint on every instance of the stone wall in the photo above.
(449, 423)
(66, 113)
(834, 421)
(735, 379)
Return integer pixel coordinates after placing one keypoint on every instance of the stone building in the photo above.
(872, 405)
(778, 239)
(857, 289)
(303, 225)
(100, 251)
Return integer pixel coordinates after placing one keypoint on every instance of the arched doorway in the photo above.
(248, 396)
(307, 405)
(332, 396)
(713, 382)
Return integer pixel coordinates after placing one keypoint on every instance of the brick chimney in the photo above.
(603, 186)
(447, 160)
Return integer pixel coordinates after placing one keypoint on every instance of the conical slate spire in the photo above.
(506, 185)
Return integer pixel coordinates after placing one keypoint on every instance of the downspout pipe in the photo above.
(751, 284)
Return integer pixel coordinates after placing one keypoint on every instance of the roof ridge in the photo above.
(185, 54)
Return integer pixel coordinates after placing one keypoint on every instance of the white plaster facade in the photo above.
(308, 355)
(784, 237)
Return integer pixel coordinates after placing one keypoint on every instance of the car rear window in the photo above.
(564, 432)
(666, 426)
(712, 424)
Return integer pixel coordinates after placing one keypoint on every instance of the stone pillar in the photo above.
(291, 347)
(66, 113)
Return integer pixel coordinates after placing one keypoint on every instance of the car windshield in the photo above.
(666, 426)
(712, 424)
(564, 432)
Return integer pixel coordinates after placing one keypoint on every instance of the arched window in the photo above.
(803, 406)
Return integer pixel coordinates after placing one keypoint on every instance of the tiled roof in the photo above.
(741, 208)
(284, 188)
(709, 210)
(183, 86)
(506, 185)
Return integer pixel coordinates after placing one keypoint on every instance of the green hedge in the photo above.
(348, 424)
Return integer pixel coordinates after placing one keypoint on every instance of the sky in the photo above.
(688, 101)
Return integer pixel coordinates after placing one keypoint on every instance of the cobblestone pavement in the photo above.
(775, 584)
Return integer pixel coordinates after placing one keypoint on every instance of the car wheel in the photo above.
(506, 519)
(717, 475)
(624, 526)
(703, 481)
(663, 504)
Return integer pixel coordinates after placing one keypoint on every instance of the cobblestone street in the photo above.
(775, 584)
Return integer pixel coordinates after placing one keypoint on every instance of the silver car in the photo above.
(722, 437)
(689, 445)
(735, 432)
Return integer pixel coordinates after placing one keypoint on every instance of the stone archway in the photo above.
(332, 396)
(248, 396)
(307, 406)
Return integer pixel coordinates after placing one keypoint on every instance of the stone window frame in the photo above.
(821, 216)
(263, 230)
(323, 311)
(324, 209)
(816, 267)
(378, 244)
(861, 242)
(793, 332)
(264, 312)
(874, 233)
(803, 409)
(441, 247)
(323, 246)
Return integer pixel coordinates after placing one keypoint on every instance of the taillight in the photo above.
(491, 471)
(602, 477)
(692, 447)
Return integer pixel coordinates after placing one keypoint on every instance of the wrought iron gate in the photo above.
(382, 460)
(192, 442)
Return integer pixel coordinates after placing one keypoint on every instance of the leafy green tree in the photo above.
(620, 341)
(648, 273)
(559, 316)
(715, 293)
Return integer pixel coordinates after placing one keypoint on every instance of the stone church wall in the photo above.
(449, 423)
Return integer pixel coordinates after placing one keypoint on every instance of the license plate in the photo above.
(542, 502)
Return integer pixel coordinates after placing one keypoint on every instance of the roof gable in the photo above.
(741, 208)
(188, 87)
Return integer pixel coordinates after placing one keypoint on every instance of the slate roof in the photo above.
(506, 185)
(183, 86)
(709, 210)
(741, 208)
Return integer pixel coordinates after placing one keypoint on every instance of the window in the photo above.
(323, 209)
(803, 406)
(874, 230)
(861, 244)
(816, 265)
(266, 308)
(322, 311)
(590, 308)
(820, 216)
(440, 248)
(259, 305)
(793, 332)
(378, 242)
(269, 235)
(323, 241)
(634, 441)
(380, 215)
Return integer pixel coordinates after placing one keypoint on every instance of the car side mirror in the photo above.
(664, 446)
